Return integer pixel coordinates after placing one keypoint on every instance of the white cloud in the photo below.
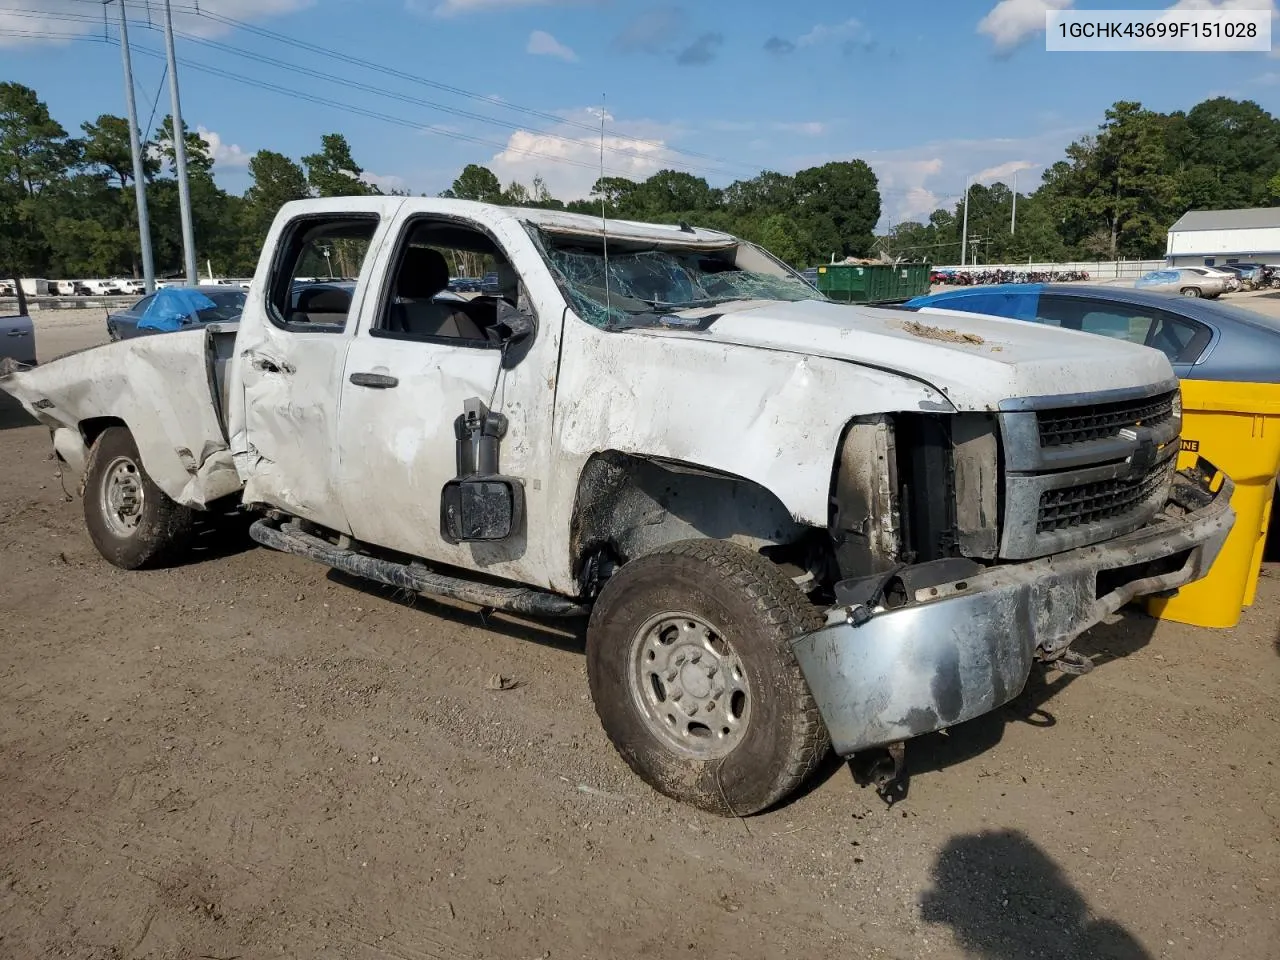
(69, 19)
(570, 166)
(1226, 5)
(383, 181)
(224, 154)
(543, 44)
(1003, 171)
(1010, 22)
(823, 33)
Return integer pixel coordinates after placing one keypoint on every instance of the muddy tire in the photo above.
(131, 521)
(692, 675)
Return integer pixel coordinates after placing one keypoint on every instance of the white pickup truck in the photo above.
(793, 523)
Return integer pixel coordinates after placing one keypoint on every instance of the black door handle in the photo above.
(378, 381)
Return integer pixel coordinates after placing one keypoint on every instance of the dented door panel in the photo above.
(396, 445)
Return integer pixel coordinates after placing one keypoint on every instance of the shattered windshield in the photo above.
(648, 287)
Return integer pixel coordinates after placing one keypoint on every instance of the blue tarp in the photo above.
(171, 307)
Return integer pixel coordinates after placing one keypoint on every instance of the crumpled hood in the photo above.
(975, 360)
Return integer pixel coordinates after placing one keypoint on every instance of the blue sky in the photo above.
(929, 92)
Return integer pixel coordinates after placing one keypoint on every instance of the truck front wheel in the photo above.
(691, 672)
(130, 520)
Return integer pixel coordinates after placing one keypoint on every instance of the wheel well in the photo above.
(627, 506)
(95, 427)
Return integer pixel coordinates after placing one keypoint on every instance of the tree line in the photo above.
(1117, 192)
(67, 206)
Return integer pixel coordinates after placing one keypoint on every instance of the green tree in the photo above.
(782, 236)
(34, 149)
(333, 171)
(476, 183)
(839, 204)
(277, 180)
(106, 148)
(199, 159)
(768, 193)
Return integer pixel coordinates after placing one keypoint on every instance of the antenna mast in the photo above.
(604, 220)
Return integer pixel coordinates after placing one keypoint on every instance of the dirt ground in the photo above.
(249, 757)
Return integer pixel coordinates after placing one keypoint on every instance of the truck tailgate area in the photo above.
(166, 389)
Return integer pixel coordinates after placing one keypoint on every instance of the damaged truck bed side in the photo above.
(793, 523)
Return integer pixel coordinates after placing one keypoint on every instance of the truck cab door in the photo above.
(291, 353)
(421, 357)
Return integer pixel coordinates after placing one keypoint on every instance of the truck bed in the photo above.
(170, 390)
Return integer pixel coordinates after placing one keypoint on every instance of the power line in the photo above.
(363, 111)
(493, 101)
(356, 85)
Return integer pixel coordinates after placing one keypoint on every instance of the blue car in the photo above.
(1204, 340)
(175, 308)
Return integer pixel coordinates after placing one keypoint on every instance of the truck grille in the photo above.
(1102, 500)
(1102, 420)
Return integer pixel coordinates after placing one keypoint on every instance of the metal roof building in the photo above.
(1206, 238)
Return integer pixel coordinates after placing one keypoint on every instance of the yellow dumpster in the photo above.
(1236, 427)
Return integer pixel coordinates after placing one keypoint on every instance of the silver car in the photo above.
(18, 339)
(1186, 281)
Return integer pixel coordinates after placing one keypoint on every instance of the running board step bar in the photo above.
(289, 537)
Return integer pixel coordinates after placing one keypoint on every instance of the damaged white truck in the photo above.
(794, 524)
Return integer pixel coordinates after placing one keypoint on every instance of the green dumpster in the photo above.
(874, 282)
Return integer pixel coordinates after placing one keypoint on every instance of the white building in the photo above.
(1206, 238)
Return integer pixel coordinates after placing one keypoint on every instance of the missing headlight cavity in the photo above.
(927, 485)
(911, 488)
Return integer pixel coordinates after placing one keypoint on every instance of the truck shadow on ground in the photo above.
(12, 414)
(1006, 899)
(569, 634)
(216, 537)
(937, 751)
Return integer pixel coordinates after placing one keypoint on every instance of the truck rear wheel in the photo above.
(690, 667)
(131, 521)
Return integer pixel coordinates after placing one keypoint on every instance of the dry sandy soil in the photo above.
(249, 756)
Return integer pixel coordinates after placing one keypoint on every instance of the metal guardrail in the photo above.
(10, 304)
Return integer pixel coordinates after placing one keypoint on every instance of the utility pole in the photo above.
(1013, 220)
(179, 151)
(964, 234)
(139, 173)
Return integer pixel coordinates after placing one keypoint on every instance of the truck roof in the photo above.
(552, 221)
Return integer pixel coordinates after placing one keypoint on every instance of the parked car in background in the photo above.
(1184, 281)
(1203, 341)
(1233, 279)
(174, 308)
(18, 333)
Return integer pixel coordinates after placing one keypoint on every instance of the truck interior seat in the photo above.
(325, 305)
(424, 274)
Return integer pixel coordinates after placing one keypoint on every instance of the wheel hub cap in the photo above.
(689, 685)
(122, 497)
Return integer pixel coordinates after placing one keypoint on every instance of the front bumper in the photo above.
(964, 648)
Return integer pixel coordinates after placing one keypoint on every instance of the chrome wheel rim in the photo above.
(123, 496)
(689, 685)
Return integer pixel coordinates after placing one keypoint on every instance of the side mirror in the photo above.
(521, 329)
(481, 509)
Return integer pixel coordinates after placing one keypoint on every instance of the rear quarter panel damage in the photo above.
(159, 387)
